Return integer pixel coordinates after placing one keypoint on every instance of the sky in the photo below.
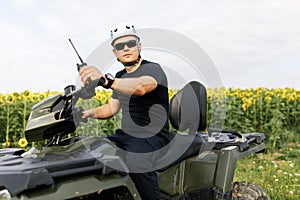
(252, 43)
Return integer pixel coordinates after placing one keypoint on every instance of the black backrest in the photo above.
(188, 108)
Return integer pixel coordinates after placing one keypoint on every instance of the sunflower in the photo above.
(16, 94)
(9, 98)
(171, 93)
(7, 144)
(268, 99)
(98, 96)
(23, 142)
(20, 98)
(103, 98)
(26, 93)
(34, 98)
(42, 96)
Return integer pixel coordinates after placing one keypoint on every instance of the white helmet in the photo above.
(121, 31)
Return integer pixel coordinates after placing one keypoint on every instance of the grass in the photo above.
(278, 172)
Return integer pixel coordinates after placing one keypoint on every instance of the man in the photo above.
(141, 91)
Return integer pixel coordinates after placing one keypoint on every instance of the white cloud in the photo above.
(244, 38)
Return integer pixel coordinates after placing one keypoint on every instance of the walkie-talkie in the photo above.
(79, 66)
(89, 90)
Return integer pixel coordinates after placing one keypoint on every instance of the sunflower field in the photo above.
(275, 112)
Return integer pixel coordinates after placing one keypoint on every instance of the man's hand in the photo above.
(103, 112)
(89, 113)
(89, 72)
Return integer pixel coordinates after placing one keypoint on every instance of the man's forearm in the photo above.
(103, 112)
(134, 86)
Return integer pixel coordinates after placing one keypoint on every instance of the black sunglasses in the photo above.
(129, 44)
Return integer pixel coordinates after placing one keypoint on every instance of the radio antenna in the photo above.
(76, 51)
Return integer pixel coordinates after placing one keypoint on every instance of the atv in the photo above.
(200, 164)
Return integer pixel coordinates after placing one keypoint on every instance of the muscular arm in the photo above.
(105, 111)
(134, 86)
(128, 86)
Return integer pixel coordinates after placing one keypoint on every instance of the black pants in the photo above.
(140, 160)
(146, 184)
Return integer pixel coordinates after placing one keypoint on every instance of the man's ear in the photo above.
(114, 51)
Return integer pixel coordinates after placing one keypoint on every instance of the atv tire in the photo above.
(248, 191)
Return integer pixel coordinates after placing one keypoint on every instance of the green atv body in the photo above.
(200, 165)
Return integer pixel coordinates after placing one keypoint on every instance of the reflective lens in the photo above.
(129, 44)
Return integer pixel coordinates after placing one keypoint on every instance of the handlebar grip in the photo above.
(101, 81)
(77, 115)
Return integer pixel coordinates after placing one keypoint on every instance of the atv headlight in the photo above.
(4, 194)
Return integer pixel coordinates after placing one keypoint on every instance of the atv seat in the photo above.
(187, 110)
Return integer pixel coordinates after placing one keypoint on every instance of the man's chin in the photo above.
(127, 60)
